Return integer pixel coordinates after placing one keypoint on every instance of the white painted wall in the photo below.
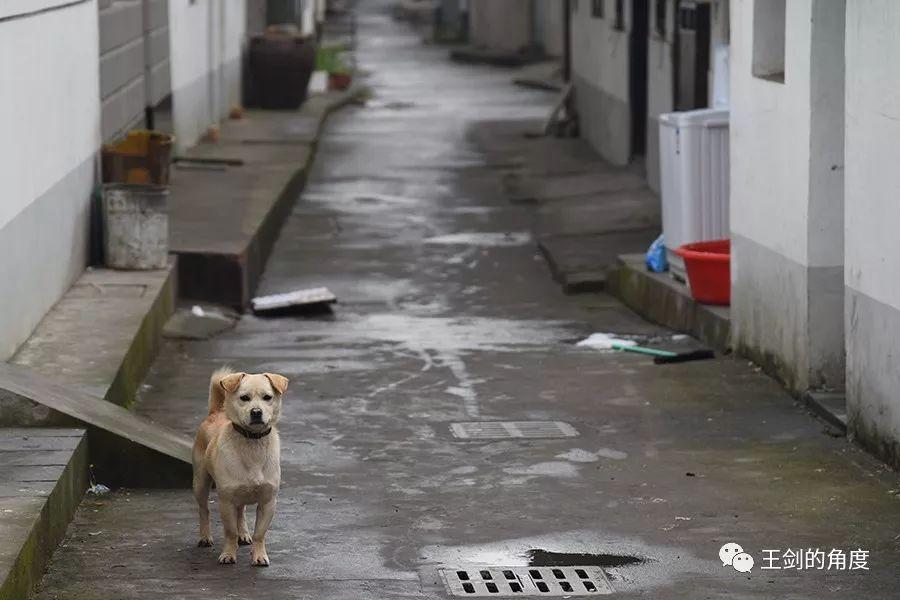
(660, 85)
(36, 122)
(770, 137)
(600, 52)
(206, 38)
(872, 214)
(234, 44)
(786, 194)
(872, 177)
(122, 66)
(600, 72)
(500, 24)
(50, 118)
(720, 37)
(548, 26)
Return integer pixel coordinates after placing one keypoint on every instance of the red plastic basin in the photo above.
(708, 266)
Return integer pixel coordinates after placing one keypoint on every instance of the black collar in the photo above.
(250, 435)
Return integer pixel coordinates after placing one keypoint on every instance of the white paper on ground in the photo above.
(603, 341)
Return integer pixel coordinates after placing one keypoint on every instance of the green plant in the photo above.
(328, 58)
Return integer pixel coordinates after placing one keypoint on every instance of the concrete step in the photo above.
(43, 475)
(581, 263)
(499, 58)
(229, 198)
(83, 365)
(659, 298)
(100, 338)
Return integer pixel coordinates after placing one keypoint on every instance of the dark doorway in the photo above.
(637, 84)
(692, 55)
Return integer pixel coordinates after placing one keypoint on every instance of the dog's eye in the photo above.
(267, 397)
(245, 397)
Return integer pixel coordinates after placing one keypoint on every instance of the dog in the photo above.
(237, 448)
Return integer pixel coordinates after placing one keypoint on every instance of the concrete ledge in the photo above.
(228, 206)
(43, 475)
(580, 263)
(101, 338)
(830, 406)
(497, 58)
(658, 298)
(83, 366)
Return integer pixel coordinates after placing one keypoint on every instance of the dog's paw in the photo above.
(244, 539)
(259, 559)
(205, 542)
(227, 558)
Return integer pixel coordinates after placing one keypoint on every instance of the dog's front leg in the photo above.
(229, 511)
(265, 512)
(244, 538)
(202, 484)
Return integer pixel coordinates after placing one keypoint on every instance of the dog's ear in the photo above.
(279, 382)
(231, 382)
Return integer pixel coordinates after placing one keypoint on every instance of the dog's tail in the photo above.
(216, 391)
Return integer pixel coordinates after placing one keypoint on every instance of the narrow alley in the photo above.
(448, 314)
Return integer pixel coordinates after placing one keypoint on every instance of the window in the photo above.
(660, 23)
(598, 9)
(768, 39)
(620, 15)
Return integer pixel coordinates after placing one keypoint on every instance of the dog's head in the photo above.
(253, 401)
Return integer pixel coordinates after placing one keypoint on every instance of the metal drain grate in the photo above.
(517, 582)
(493, 430)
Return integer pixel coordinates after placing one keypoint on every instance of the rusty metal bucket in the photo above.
(142, 157)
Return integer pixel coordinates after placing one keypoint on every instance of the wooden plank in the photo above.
(128, 449)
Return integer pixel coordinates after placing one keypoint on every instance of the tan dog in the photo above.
(237, 447)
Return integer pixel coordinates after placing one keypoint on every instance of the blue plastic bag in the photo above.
(656, 256)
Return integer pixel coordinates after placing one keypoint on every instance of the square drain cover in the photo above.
(495, 430)
(512, 582)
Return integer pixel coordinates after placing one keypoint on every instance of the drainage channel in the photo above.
(511, 582)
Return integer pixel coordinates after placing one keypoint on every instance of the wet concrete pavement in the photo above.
(448, 314)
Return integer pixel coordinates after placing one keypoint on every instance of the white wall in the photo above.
(122, 66)
(548, 26)
(873, 128)
(786, 199)
(205, 41)
(50, 118)
(500, 24)
(872, 214)
(660, 86)
(234, 43)
(770, 137)
(600, 73)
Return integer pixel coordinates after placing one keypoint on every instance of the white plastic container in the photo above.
(693, 169)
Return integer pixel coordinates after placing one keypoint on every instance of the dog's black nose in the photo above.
(256, 415)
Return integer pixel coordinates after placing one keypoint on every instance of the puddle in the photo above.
(634, 564)
(486, 239)
(547, 469)
(584, 456)
(389, 105)
(543, 558)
